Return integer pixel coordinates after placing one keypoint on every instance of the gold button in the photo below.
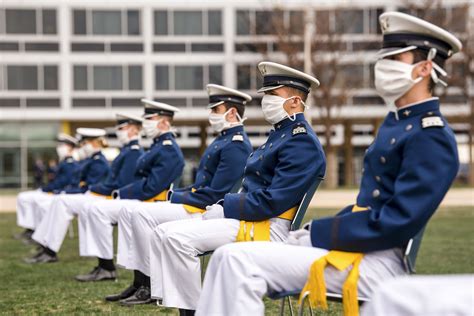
(378, 179)
(409, 127)
(375, 193)
(383, 159)
(392, 141)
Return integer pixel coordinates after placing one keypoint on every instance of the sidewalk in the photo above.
(322, 199)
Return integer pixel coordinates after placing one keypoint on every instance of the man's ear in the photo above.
(425, 68)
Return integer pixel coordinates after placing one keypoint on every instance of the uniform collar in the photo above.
(431, 104)
(232, 130)
(132, 142)
(166, 135)
(287, 122)
(99, 153)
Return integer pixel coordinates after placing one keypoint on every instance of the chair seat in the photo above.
(330, 296)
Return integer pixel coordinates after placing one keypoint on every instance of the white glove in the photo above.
(300, 237)
(213, 211)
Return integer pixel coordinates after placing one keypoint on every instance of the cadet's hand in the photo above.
(116, 194)
(300, 237)
(213, 211)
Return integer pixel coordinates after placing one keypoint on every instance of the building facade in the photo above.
(71, 63)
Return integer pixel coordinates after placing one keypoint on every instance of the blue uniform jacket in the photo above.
(122, 170)
(156, 169)
(93, 170)
(407, 171)
(66, 175)
(278, 173)
(221, 166)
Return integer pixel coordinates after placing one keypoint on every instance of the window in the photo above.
(107, 77)
(265, 22)
(188, 22)
(20, 21)
(29, 21)
(187, 77)
(243, 22)
(106, 22)
(248, 77)
(350, 21)
(31, 77)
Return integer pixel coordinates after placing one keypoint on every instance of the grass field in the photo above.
(43, 289)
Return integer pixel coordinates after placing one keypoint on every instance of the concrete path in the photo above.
(323, 198)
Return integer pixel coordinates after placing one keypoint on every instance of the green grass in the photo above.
(43, 289)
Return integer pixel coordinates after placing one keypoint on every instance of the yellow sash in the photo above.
(341, 260)
(260, 231)
(193, 209)
(82, 184)
(158, 197)
(107, 197)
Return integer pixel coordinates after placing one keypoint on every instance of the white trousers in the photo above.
(41, 205)
(25, 216)
(53, 227)
(239, 275)
(423, 295)
(174, 265)
(144, 218)
(97, 235)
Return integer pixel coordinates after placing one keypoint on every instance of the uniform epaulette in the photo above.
(238, 138)
(431, 121)
(70, 160)
(96, 157)
(299, 129)
(167, 142)
(135, 147)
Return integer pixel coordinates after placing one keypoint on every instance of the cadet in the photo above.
(276, 177)
(50, 232)
(407, 171)
(155, 171)
(64, 177)
(221, 168)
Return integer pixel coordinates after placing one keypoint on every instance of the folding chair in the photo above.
(409, 259)
(295, 223)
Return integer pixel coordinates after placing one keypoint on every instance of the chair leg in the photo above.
(282, 307)
(290, 306)
(301, 307)
(283, 301)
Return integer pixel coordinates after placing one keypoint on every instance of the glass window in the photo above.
(214, 23)
(20, 21)
(49, 22)
(108, 78)
(80, 78)
(297, 22)
(134, 77)
(243, 22)
(323, 22)
(79, 22)
(263, 22)
(350, 21)
(215, 74)
(106, 23)
(161, 23)
(22, 77)
(188, 78)
(162, 77)
(133, 25)
(243, 77)
(9, 131)
(50, 77)
(187, 22)
(458, 19)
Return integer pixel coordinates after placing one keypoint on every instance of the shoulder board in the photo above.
(431, 121)
(70, 160)
(135, 147)
(167, 142)
(299, 129)
(97, 157)
(238, 138)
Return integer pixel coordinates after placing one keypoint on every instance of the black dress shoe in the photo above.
(129, 291)
(97, 274)
(141, 296)
(186, 312)
(41, 257)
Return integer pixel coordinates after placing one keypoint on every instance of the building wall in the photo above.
(70, 63)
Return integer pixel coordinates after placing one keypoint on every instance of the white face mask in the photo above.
(150, 127)
(89, 150)
(62, 151)
(122, 136)
(81, 153)
(393, 79)
(272, 107)
(219, 123)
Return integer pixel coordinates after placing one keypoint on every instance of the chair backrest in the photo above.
(300, 213)
(411, 251)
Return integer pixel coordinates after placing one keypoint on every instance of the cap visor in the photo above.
(263, 89)
(213, 105)
(385, 52)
